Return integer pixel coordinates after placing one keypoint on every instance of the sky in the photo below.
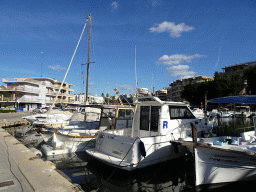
(165, 40)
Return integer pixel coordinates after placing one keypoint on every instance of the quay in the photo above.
(22, 170)
(13, 119)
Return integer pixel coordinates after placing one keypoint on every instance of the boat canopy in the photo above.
(245, 99)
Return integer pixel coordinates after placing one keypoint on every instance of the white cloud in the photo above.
(171, 28)
(177, 59)
(114, 5)
(126, 88)
(181, 70)
(91, 84)
(57, 67)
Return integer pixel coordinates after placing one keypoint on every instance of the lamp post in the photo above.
(245, 83)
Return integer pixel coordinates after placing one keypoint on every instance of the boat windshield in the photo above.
(125, 113)
(180, 112)
(108, 112)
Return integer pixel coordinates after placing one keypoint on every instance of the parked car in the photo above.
(40, 110)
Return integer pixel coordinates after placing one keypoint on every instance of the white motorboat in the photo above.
(75, 140)
(225, 113)
(199, 113)
(77, 120)
(242, 111)
(52, 114)
(146, 142)
(221, 165)
(223, 160)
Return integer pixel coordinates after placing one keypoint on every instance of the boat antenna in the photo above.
(41, 64)
(136, 82)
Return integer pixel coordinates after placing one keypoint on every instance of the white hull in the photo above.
(123, 152)
(215, 166)
(246, 114)
(48, 115)
(227, 115)
(62, 144)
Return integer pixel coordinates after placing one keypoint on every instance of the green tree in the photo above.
(249, 75)
(221, 86)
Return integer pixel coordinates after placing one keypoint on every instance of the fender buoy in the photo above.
(142, 149)
(175, 148)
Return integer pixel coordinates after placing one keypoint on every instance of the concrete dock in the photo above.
(22, 170)
(13, 119)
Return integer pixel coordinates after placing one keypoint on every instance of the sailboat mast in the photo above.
(88, 62)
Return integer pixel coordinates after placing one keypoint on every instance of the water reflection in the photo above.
(90, 174)
(235, 123)
(175, 175)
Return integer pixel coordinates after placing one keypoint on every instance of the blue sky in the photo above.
(173, 39)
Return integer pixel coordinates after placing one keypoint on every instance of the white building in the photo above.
(33, 92)
(176, 87)
(80, 99)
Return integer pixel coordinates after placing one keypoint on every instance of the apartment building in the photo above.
(176, 87)
(162, 94)
(80, 99)
(237, 67)
(33, 92)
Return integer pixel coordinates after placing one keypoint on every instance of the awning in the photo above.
(243, 99)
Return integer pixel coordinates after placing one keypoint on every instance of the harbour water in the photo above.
(90, 174)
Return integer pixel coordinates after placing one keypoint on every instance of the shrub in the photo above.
(7, 111)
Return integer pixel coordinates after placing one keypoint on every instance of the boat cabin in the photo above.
(154, 117)
(116, 117)
(242, 109)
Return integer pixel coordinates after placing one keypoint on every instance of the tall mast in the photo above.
(88, 62)
(136, 83)
(41, 64)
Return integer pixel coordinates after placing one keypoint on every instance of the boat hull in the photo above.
(216, 167)
(125, 153)
(62, 144)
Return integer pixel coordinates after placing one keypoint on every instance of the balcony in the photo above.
(21, 89)
(7, 99)
(30, 100)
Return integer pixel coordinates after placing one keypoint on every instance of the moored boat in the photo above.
(242, 111)
(112, 117)
(146, 142)
(223, 160)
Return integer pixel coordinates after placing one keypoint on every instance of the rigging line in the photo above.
(125, 99)
(69, 66)
(92, 38)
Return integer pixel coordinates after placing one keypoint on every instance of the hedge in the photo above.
(8, 111)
